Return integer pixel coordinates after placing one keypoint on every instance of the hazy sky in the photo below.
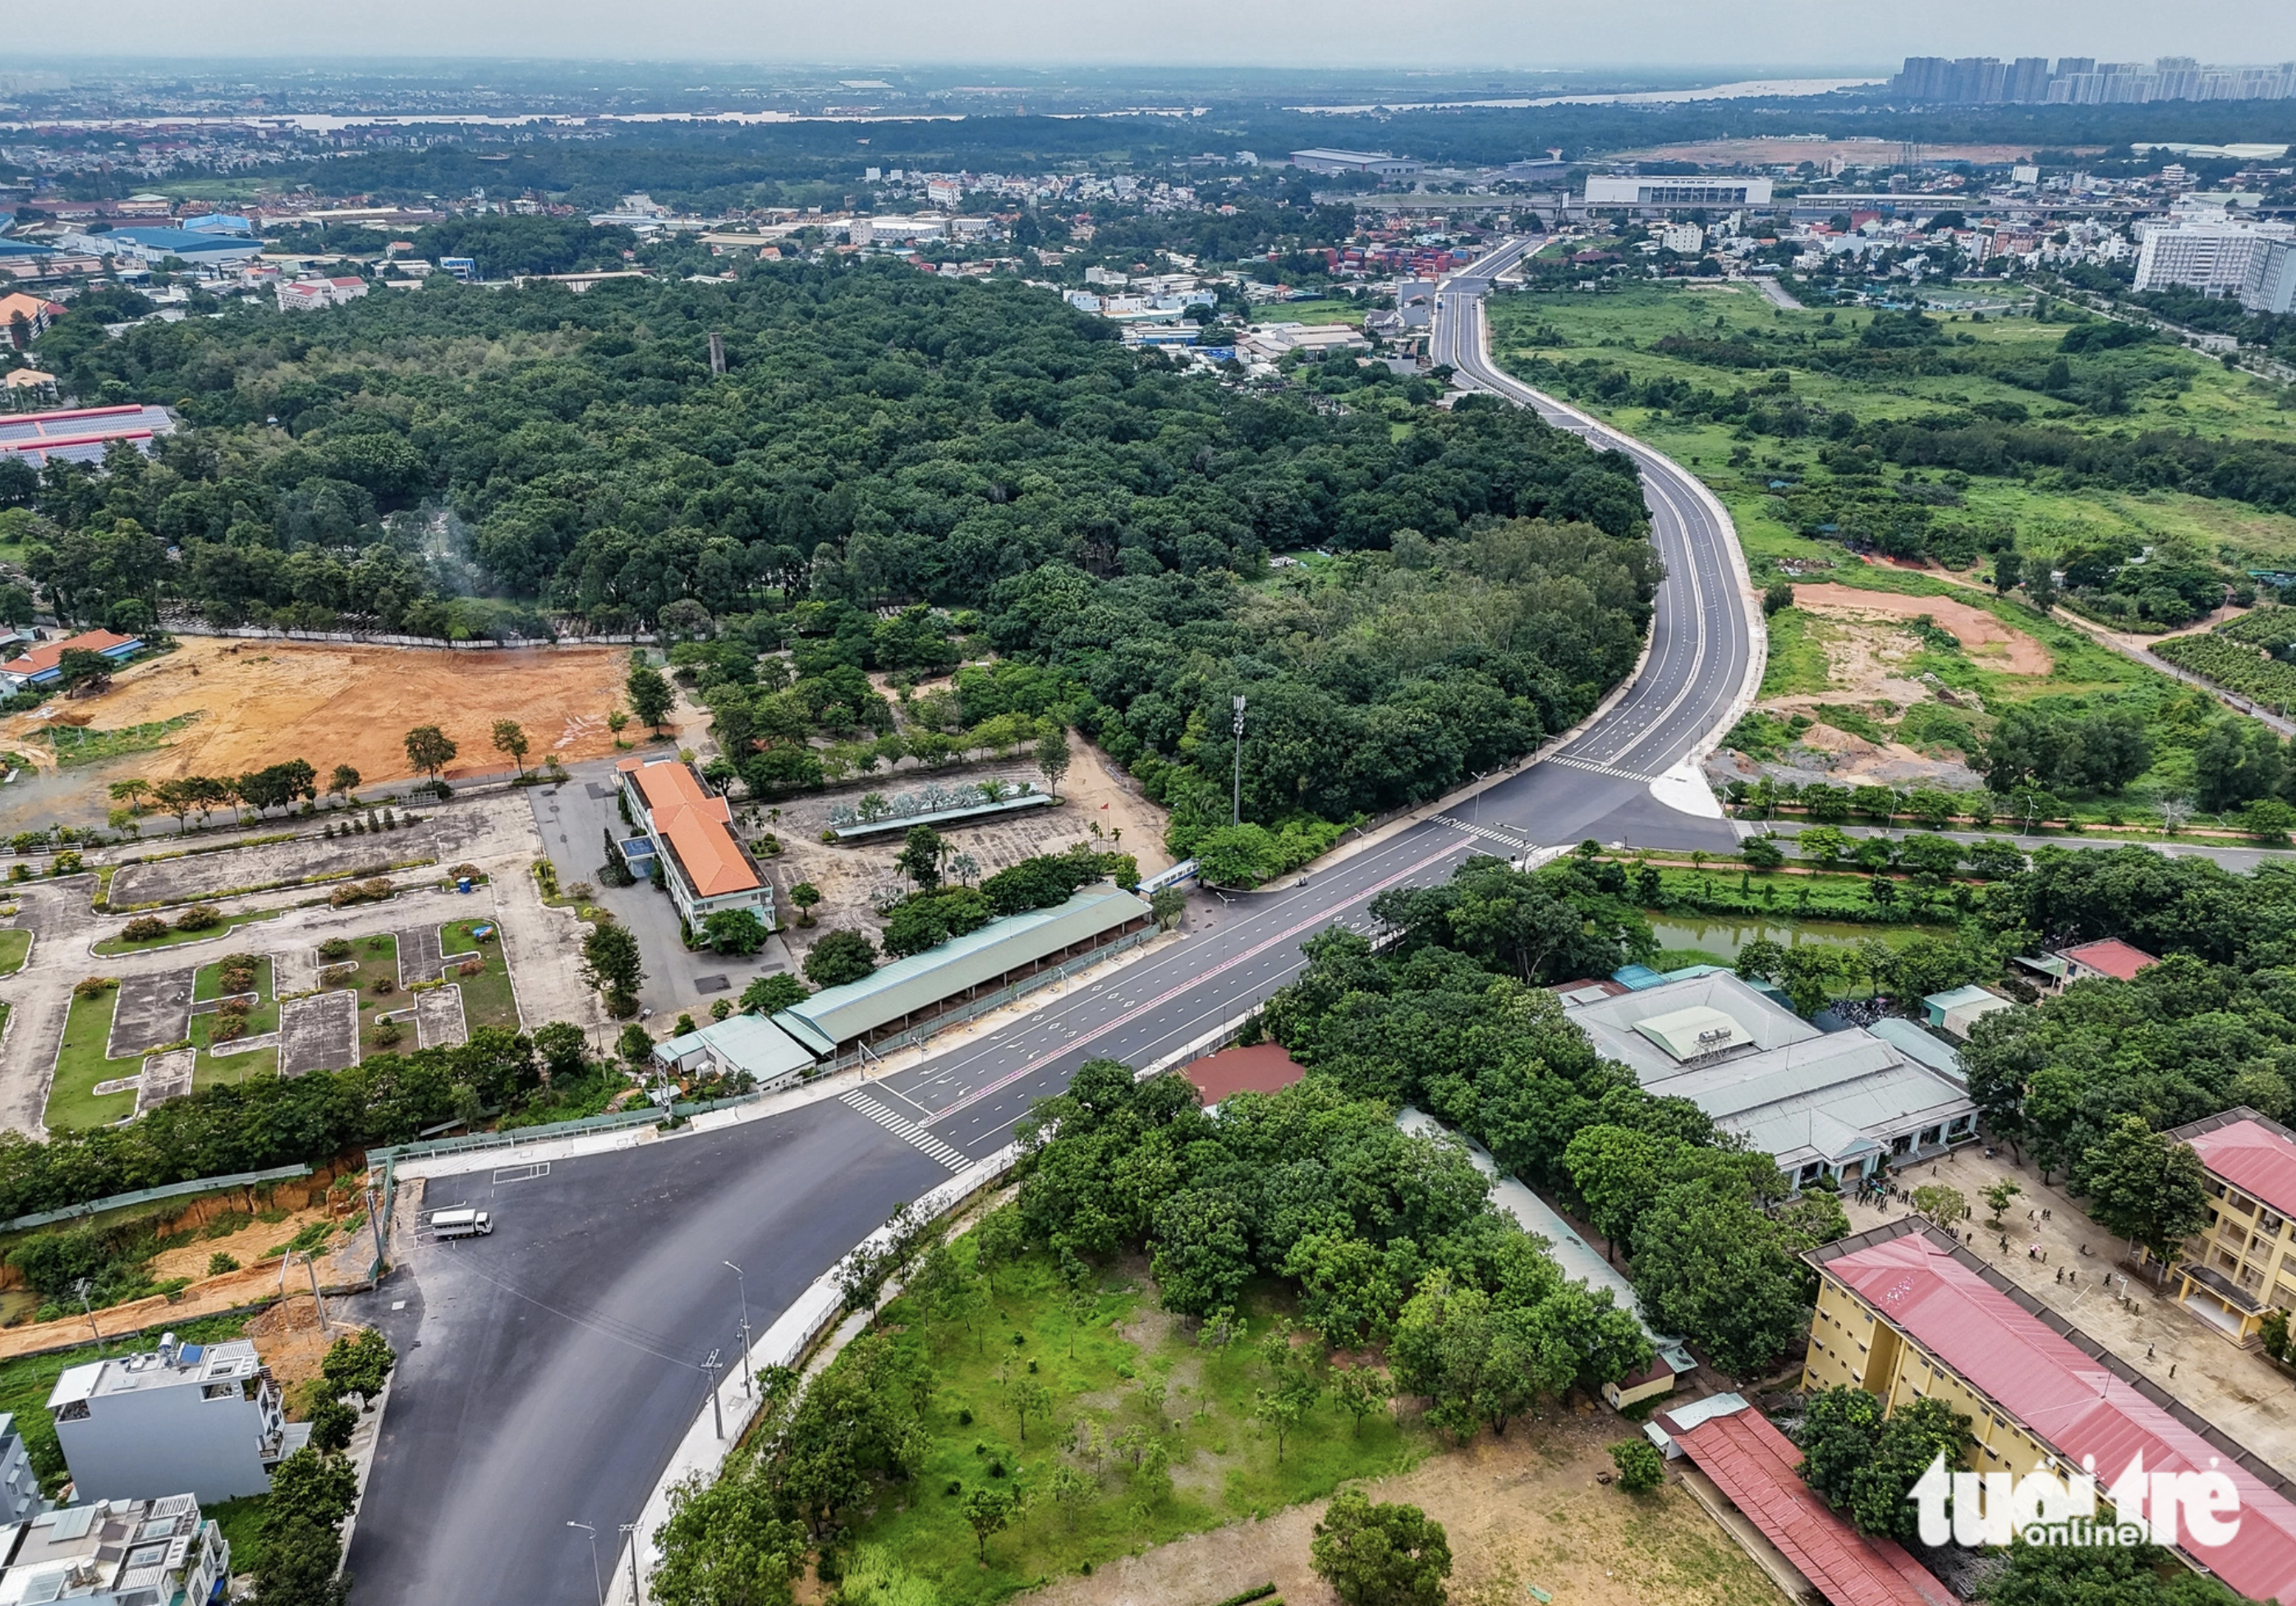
(1499, 34)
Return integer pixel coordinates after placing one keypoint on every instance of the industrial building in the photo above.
(1323, 161)
(201, 1418)
(43, 665)
(1666, 192)
(742, 1045)
(1822, 1105)
(1670, 1359)
(1906, 1312)
(2244, 1263)
(704, 866)
(83, 434)
(152, 247)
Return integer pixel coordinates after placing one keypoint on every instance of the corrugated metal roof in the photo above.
(1915, 1044)
(2254, 1155)
(750, 1042)
(839, 1014)
(1958, 997)
(2079, 1406)
(1753, 1463)
(2111, 955)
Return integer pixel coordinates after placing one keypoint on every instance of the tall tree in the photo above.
(650, 693)
(430, 750)
(1380, 1555)
(510, 741)
(2146, 1188)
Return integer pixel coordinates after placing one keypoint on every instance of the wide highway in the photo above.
(548, 1372)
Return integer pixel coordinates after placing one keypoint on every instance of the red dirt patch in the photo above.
(1974, 627)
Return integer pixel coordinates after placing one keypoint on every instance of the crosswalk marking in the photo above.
(893, 1121)
(1496, 834)
(1598, 768)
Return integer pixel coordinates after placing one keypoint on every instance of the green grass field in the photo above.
(1308, 312)
(263, 1018)
(15, 948)
(487, 999)
(1223, 1465)
(80, 1065)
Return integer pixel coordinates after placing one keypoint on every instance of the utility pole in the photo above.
(716, 1409)
(744, 1282)
(374, 1227)
(1238, 810)
(630, 1536)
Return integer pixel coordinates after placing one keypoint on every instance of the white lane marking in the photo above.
(907, 1130)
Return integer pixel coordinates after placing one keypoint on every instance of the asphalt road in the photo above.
(557, 1361)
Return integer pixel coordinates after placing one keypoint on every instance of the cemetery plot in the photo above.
(166, 1076)
(197, 875)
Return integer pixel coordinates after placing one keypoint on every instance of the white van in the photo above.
(460, 1223)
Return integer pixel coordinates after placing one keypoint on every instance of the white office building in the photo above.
(1667, 190)
(2270, 284)
(201, 1418)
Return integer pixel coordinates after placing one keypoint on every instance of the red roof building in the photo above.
(1905, 1312)
(1753, 1463)
(1263, 1068)
(2244, 1263)
(2111, 958)
(44, 663)
(708, 869)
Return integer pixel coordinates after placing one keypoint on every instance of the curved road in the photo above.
(549, 1371)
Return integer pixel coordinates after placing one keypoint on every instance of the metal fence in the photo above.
(174, 1190)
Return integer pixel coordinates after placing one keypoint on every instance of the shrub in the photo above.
(387, 1034)
(227, 1029)
(219, 1263)
(471, 967)
(143, 928)
(383, 986)
(198, 917)
(95, 986)
(1640, 1465)
(335, 947)
(233, 1009)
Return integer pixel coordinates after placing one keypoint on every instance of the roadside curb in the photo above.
(701, 1453)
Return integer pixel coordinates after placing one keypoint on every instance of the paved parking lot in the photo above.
(319, 1033)
(419, 955)
(439, 1021)
(166, 1076)
(151, 1010)
(273, 864)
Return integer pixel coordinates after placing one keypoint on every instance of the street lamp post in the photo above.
(597, 1580)
(717, 1408)
(744, 1284)
(630, 1534)
(1237, 816)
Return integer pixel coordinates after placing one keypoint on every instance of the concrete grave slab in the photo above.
(439, 1021)
(296, 971)
(166, 1076)
(151, 1010)
(196, 875)
(319, 1033)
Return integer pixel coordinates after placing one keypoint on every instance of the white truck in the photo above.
(460, 1223)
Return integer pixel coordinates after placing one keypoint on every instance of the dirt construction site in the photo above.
(258, 703)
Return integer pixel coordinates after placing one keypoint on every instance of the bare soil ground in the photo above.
(1521, 1511)
(259, 702)
(1091, 794)
(1980, 633)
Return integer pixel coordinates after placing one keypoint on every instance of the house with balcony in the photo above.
(201, 1421)
(117, 1552)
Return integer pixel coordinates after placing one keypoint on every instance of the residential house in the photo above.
(703, 863)
(2112, 957)
(20, 1486)
(205, 1419)
(43, 665)
(117, 1552)
(1905, 1312)
(2244, 1263)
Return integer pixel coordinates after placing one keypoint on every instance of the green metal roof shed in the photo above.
(917, 988)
